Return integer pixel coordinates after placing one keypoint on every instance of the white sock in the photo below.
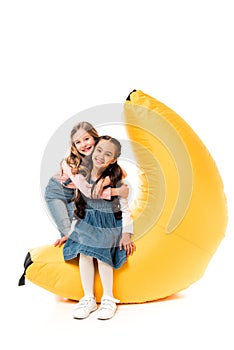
(106, 275)
(87, 274)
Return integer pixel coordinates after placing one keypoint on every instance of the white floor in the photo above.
(200, 317)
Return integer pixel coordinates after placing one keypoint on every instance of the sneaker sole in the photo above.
(105, 318)
(81, 318)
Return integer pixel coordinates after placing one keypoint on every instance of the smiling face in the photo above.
(83, 142)
(104, 154)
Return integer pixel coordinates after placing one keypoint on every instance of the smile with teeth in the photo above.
(99, 161)
(86, 149)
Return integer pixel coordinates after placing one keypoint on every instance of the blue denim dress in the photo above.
(97, 235)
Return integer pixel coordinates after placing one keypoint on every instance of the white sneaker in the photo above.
(107, 308)
(85, 306)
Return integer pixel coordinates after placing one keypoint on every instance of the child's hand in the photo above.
(98, 188)
(123, 191)
(128, 245)
(60, 241)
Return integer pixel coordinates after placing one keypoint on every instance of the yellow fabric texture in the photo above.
(180, 214)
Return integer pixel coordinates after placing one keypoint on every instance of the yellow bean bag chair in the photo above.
(180, 214)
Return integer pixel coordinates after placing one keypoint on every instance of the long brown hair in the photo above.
(74, 158)
(115, 174)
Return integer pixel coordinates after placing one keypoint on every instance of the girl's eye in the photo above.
(77, 142)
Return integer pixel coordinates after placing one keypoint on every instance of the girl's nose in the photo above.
(101, 155)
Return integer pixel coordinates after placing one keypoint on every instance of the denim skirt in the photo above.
(97, 235)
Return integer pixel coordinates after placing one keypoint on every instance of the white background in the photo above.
(61, 57)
